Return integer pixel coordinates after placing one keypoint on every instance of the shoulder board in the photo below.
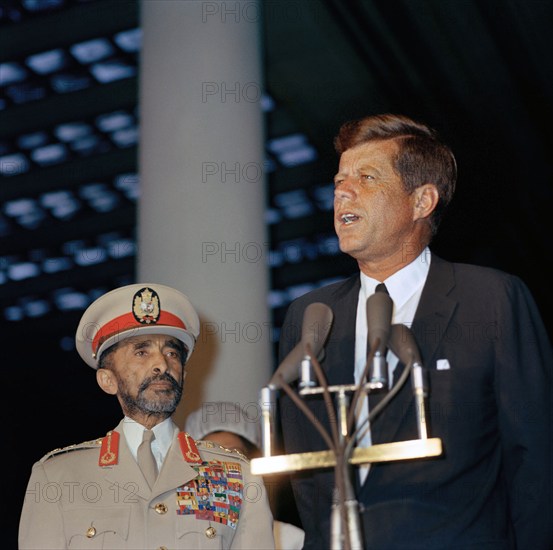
(92, 444)
(214, 447)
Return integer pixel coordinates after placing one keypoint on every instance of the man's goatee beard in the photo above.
(158, 407)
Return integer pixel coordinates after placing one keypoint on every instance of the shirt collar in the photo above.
(164, 432)
(403, 283)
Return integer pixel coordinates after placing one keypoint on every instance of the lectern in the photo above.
(341, 404)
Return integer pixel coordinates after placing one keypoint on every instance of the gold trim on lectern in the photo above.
(384, 452)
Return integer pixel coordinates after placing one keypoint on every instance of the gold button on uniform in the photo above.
(90, 532)
(161, 508)
(210, 532)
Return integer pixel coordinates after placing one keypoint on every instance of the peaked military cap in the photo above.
(134, 310)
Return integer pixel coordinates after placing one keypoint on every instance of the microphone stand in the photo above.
(349, 502)
(345, 516)
(345, 519)
(340, 523)
(339, 518)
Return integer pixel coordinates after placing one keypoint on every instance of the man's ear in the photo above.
(107, 381)
(426, 199)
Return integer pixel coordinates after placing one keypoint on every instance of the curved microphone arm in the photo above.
(321, 378)
(359, 391)
(378, 408)
(305, 410)
(402, 342)
(391, 394)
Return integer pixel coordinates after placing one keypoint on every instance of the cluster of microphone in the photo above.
(382, 336)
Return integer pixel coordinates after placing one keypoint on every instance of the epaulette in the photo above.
(219, 448)
(92, 444)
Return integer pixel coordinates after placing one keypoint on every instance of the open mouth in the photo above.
(348, 219)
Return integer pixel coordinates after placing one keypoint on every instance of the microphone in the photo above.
(379, 319)
(317, 320)
(288, 369)
(402, 342)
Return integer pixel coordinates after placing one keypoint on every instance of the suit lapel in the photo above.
(175, 471)
(340, 348)
(431, 321)
(126, 474)
(435, 310)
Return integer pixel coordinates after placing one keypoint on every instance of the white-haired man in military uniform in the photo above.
(145, 484)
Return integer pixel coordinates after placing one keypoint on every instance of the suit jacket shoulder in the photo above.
(92, 444)
(341, 297)
(479, 279)
(328, 293)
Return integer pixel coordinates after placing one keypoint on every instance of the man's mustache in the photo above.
(165, 377)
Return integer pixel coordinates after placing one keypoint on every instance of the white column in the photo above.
(201, 213)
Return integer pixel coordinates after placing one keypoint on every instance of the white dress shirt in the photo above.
(405, 289)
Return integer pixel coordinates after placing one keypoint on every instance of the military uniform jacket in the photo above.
(204, 497)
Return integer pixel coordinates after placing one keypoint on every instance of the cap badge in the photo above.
(146, 306)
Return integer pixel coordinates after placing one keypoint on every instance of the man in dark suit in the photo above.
(482, 342)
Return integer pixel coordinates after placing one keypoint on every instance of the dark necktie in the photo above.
(145, 458)
(381, 287)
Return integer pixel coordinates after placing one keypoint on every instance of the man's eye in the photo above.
(140, 353)
(367, 177)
